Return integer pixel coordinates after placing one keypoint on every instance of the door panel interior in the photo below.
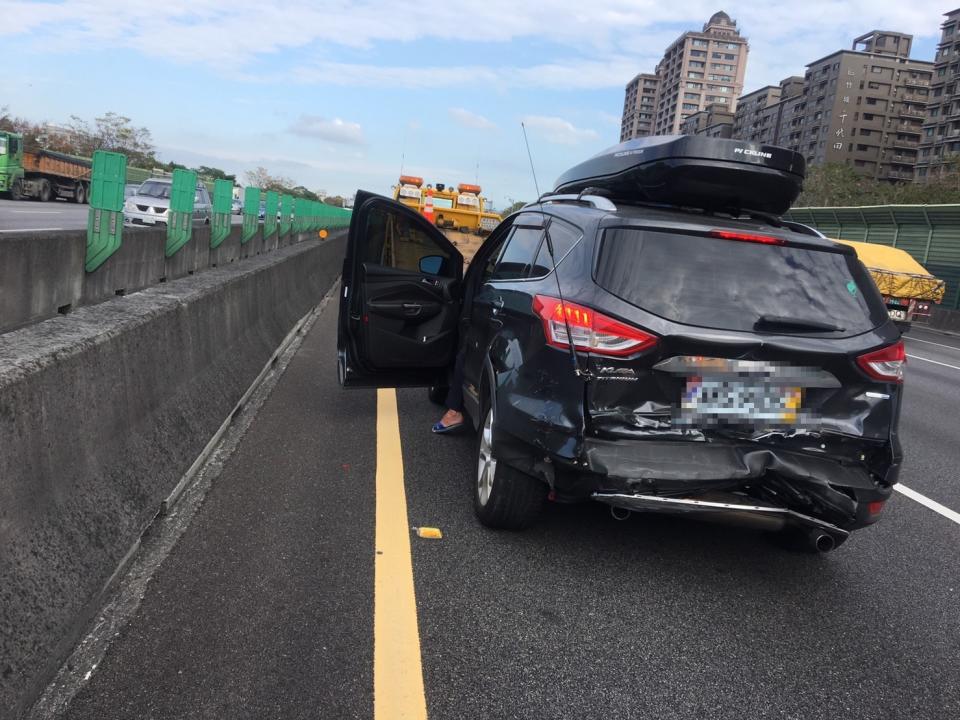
(409, 319)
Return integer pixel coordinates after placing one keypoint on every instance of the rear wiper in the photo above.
(788, 324)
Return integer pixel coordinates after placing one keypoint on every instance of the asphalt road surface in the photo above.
(266, 606)
(26, 215)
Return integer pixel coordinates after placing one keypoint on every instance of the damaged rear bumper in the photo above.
(796, 488)
(735, 510)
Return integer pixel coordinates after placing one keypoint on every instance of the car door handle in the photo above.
(497, 304)
(412, 309)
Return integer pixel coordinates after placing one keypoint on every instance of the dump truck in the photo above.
(907, 288)
(461, 208)
(41, 174)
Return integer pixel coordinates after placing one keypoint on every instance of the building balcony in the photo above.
(907, 111)
(895, 175)
(909, 129)
(903, 159)
(905, 143)
(916, 82)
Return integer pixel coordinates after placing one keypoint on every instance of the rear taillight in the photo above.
(885, 364)
(591, 331)
(747, 237)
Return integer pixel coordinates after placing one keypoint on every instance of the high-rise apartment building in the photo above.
(863, 107)
(698, 70)
(716, 121)
(941, 130)
(759, 113)
(639, 106)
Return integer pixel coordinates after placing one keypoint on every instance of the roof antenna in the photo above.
(556, 271)
(536, 186)
(563, 305)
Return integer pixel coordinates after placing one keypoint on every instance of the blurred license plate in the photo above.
(736, 401)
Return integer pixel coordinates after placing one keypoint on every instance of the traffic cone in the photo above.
(428, 206)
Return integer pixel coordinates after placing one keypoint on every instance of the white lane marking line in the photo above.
(38, 212)
(20, 230)
(927, 502)
(927, 342)
(935, 362)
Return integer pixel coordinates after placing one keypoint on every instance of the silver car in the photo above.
(151, 204)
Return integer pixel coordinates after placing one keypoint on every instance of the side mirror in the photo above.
(431, 264)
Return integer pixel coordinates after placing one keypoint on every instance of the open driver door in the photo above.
(400, 298)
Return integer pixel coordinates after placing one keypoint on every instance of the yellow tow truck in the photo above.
(461, 209)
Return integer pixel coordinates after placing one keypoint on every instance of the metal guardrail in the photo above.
(105, 224)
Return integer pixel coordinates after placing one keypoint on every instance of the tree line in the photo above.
(839, 185)
(114, 132)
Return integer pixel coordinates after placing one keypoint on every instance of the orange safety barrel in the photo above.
(428, 206)
(411, 180)
(465, 188)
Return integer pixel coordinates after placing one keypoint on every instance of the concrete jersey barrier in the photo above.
(101, 412)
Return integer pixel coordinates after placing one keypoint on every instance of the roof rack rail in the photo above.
(596, 201)
(804, 229)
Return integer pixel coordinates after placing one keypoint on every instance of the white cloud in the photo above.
(470, 120)
(559, 131)
(610, 40)
(335, 131)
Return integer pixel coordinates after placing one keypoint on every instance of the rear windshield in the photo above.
(731, 285)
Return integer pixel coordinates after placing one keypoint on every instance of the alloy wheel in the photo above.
(486, 462)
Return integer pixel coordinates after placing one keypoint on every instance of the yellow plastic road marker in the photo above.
(429, 533)
(397, 673)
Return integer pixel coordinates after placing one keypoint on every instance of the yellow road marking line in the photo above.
(397, 672)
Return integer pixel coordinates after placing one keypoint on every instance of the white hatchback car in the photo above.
(151, 204)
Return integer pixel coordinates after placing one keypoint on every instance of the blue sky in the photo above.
(334, 94)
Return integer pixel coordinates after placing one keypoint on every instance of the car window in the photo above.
(517, 256)
(730, 285)
(396, 240)
(563, 236)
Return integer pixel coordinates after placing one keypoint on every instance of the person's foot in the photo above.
(451, 420)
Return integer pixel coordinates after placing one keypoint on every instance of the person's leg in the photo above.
(453, 417)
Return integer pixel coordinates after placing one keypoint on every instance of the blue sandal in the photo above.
(441, 429)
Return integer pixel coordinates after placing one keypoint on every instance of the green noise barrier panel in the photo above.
(270, 214)
(251, 212)
(180, 220)
(286, 210)
(302, 214)
(105, 219)
(222, 206)
(930, 233)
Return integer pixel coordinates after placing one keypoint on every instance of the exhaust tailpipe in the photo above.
(819, 541)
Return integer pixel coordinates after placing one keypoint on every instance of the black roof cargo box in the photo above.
(693, 171)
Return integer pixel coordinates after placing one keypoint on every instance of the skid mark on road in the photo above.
(397, 672)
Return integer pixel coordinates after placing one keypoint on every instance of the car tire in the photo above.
(80, 194)
(438, 394)
(503, 498)
(46, 192)
(16, 192)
